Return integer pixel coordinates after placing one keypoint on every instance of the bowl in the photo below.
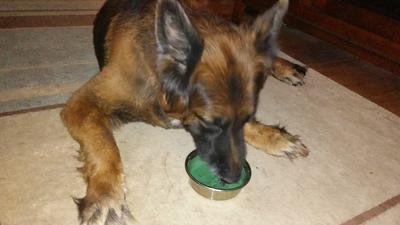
(208, 185)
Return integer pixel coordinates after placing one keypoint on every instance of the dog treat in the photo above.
(202, 173)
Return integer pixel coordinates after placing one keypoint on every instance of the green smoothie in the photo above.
(200, 171)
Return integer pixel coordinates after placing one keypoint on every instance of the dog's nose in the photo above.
(232, 178)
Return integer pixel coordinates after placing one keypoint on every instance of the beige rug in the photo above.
(353, 167)
(42, 66)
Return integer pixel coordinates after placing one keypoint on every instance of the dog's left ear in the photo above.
(179, 47)
(266, 27)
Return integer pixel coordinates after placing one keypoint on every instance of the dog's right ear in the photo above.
(179, 47)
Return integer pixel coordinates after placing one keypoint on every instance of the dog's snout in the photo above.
(232, 178)
(232, 175)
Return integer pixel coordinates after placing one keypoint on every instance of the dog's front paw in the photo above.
(295, 76)
(105, 211)
(292, 74)
(294, 147)
(274, 140)
(298, 75)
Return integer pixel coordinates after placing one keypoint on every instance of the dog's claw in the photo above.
(104, 212)
(300, 69)
(296, 148)
(296, 78)
(293, 76)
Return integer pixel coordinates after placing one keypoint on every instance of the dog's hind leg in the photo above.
(274, 140)
(104, 203)
(288, 72)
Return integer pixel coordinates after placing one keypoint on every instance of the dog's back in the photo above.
(108, 14)
(138, 17)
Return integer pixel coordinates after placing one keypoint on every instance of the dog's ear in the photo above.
(179, 47)
(266, 27)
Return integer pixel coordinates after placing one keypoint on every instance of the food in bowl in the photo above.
(209, 185)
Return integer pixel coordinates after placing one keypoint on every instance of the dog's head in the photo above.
(214, 71)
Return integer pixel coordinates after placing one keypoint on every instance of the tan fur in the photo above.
(286, 71)
(129, 88)
(274, 140)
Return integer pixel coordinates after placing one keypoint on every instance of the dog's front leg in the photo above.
(274, 140)
(288, 72)
(104, 203)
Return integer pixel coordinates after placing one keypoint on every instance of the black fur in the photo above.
(300, 69)
(236, 89)
(213, 144)
(100, 28)
(103, 20)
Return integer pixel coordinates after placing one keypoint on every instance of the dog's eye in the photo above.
(209, 127)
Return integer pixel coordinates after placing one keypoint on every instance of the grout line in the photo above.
(36, 109)
(41, 27)
(43, 66)
(50, 10)
(373, 212)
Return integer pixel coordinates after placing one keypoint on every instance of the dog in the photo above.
(168, 65)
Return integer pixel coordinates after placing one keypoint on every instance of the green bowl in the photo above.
(209, 185)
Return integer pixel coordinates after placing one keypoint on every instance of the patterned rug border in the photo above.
(29, 110)
(374, 212)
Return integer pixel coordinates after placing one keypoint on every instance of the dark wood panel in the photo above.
(390, 8)
(371, 36)
(344, 43)
(365, 19)
(46, 21)
(376, 84)
(368, 40)
(319, 52)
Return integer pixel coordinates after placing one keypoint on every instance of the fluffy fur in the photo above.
(170, 66)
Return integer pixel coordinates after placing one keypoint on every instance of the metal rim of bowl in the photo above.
(194, 154)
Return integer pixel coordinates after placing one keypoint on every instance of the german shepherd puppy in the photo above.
(170, 66)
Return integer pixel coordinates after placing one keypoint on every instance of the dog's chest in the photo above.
(175, 123)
